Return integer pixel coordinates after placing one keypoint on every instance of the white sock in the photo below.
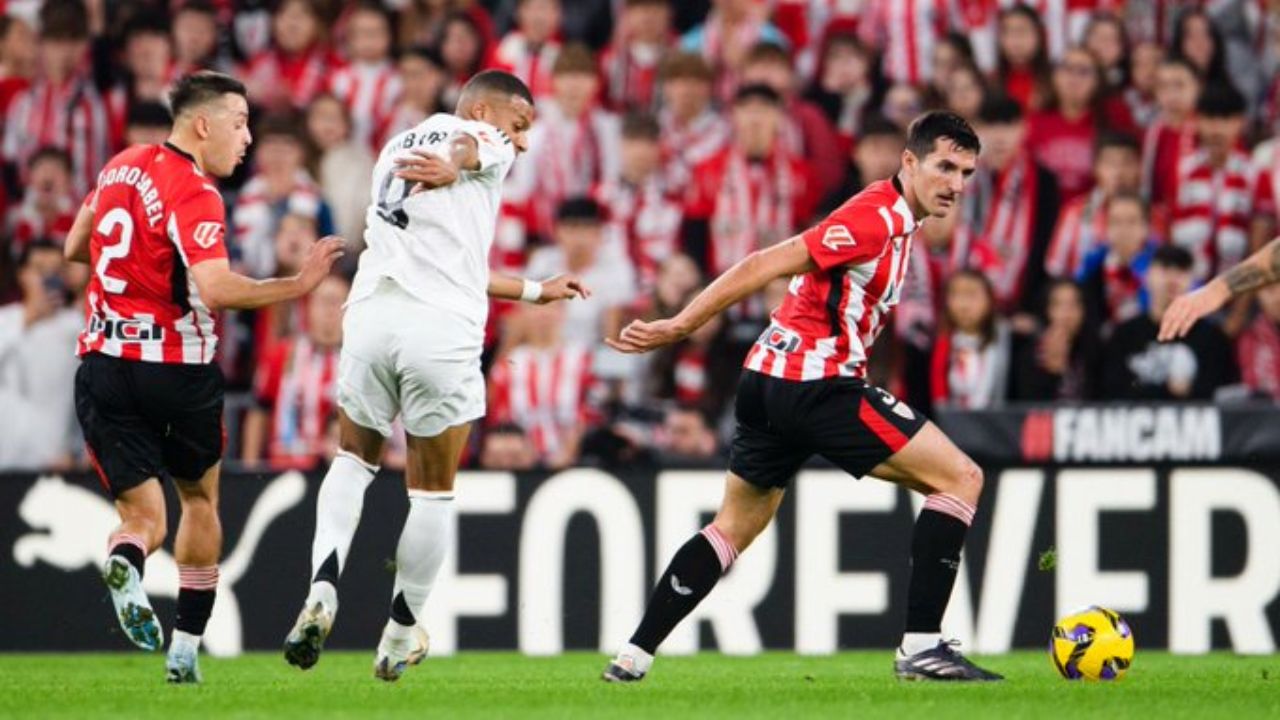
(428, 530)
(337, 515)
(913, 643)
(182, 640)
(644, 660)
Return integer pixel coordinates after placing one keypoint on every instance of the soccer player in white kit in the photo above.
(413, 333)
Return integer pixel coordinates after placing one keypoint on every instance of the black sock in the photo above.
(935, 558)
(133, 554)
(194, 607)
(695, 569)
(400, 611)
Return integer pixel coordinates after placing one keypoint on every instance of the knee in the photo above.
(157, 529)
(740, 531)
(967, 481)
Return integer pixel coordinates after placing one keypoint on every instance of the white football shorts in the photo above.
(391, 364)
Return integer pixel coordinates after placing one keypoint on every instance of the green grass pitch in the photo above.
(777, 686)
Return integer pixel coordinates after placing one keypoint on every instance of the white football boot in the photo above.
(305, 641)
(133, 609)
(395, 656)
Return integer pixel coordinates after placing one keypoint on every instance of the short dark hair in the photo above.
(641, 126)
(925, 131)
(49, 152)
(575, 59)
(1172, 256)
(1109, 139)
(1184, 63)
(685, 66)
(148, 114)
(499, 82)
(1134, 197)
(201, 87)
(880, 126)
(284, 125)
(580, 210)
(426, 53)
(64, 20)
(999, 109)
(39, 244)
(1221, 100)
(203, 7)
(145, 23)
(757, 91)
(767, 52)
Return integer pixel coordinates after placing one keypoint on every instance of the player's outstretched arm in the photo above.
(560, 287)
(1259, 269)
(430, 171)
(750, 275)
(221, 288)
(76, 248)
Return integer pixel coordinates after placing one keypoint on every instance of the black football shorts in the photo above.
(144, 419)
(782, 423)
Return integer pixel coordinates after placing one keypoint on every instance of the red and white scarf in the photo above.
(754, 208)
(1000, 215)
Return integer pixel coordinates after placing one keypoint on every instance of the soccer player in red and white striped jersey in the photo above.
(148, 397)
(805, 394)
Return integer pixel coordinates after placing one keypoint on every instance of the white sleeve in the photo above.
(494, 148)
(12, 325)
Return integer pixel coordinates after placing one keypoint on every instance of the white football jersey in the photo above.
(435, 244)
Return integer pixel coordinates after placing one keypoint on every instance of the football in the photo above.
(1092, 644)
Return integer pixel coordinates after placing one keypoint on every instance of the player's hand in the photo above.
(641, 336)
(324, 253)
(427, 169)
(563, 287)
(1187, 309)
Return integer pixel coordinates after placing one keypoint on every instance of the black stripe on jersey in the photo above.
(834, 297)
(178, 282)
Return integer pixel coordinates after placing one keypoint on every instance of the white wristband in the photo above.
(532, 291)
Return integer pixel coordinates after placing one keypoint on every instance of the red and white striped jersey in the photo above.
(155, 215)
(644, 219)
(685, 147)
(1214, 210)
(275, 79)
(1082, 226)
(631, 75)
(530, 63)
(907, 31)
(370, 92)
(72, 116)
(543, 391)
(297, 384)
(832, 315)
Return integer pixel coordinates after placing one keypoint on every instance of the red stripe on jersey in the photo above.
(888, 434)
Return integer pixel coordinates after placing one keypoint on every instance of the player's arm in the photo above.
(221, 288)
(431, 171)
(76, 248)
(747, 277)
(560, 287)
(1259, 269)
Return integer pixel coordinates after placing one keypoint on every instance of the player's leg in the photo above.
(197, 549)
(126, 454)
(931, 464)
(697, 566)
(428, 531)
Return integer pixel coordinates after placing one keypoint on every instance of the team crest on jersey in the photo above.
(206, 234)
(836, 237)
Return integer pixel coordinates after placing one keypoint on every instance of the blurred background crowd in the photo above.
(1127, 156)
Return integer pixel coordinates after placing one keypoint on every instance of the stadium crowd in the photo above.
(1127, 156)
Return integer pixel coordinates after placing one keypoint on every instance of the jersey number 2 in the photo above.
(116, 217)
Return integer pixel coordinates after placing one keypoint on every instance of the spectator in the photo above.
(1022, 63)
(1198, 41)
(902, 104)
(1140, 95)
(1060, 362)
(18, 58)
(1062, 136)
(731, 29)
(971, 357)
(1258, 347)
(700, 371)
(965, 93)
(531, 50)
(1217, 187)
(61, 108)
(678, 276)
(692, 131)
(580, 249)
(1082, 224)
(844, 88)
(1008, 212)
(296, 387)
(542, 385)
(1192, 368)
(464, 47)
(750, 195)
(1170, 137)
(280, 185)
(48, 208)
(506, 446)
(686, 437)
(876, 156)
(644, 215)
(148, 69)
(1114, 273)
(1107, 39)
(423, 22)
(195, 38)
(805, 132)
(629, 65)
(368, 84)
(298, 64)
(422, 79)
(906, 33)
(343, 167)
(572, 147)
(952, 53)
(38, 365)
(147, 123)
